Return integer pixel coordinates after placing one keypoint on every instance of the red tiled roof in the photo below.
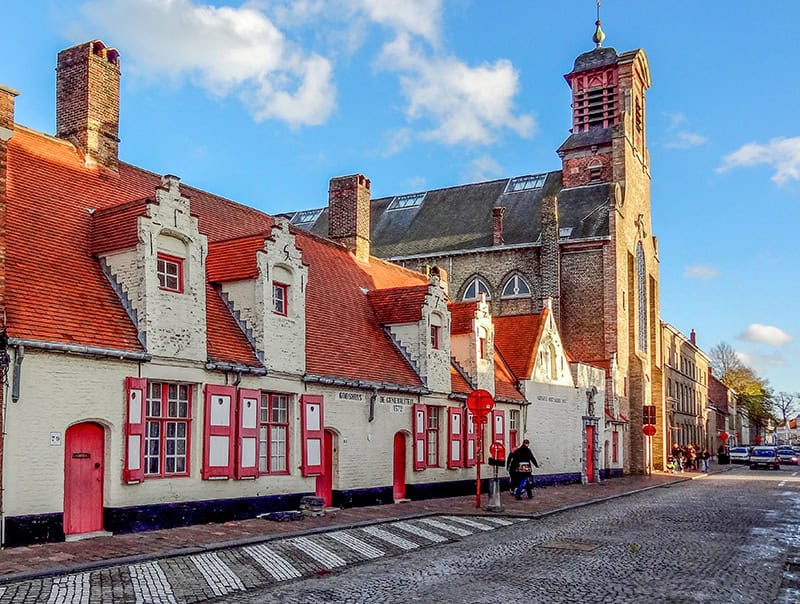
(517, 338)
(457, 382)
(505, 382)
(226, 342)
(234, 259)
(398, 304)
(461, 316)
(116, 227)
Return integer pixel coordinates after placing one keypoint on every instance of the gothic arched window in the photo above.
(516, 287)
(641, 282)
(475, 288)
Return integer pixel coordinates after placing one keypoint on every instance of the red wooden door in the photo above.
(325, 480)
(589, 453)
(83, 479)
(399, 482)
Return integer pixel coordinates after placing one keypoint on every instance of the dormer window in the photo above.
(280, 301)
(170, 273)
(435, 337)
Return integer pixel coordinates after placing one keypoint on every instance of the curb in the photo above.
(243, 542)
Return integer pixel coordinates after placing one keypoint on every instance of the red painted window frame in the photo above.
(482, 348)
(248, 405)
(283, 287)
(436, 433)
(501, 434)
(174, 260)
(470, 436)
(218, 472)
(269, 424)
(133, 467)
(419, 425)
(614, 446)
(455, 437)
(435, 337)
(163, 419)
(308, 435)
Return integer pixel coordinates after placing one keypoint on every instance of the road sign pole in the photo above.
(479, 453)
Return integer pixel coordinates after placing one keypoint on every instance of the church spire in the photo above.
(599, 35)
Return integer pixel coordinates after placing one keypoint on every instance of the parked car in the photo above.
(766, 457)
(788, 455)
(739, 454)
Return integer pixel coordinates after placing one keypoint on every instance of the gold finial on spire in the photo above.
(599, 35)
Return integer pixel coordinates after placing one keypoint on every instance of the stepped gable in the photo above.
(226, 342)
(517, 338)
(398, 304)
(505, 383)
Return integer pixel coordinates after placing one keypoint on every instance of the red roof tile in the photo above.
(398, 304)
(461, 316)
(505, 382)
(457, 382)
(226, 342)
(517, 338)
(116, 227)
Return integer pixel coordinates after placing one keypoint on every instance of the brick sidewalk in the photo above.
(60, 558)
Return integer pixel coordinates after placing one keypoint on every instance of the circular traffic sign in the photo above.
(723, 436)
(480, 402)
(497, 450)
(649, 429)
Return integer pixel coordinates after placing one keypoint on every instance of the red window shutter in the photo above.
(247, 411)
(133, 470)
(218, 433)
(499, 426)
(455, 422)
(471, 434)
(313, 434)
(420, 443)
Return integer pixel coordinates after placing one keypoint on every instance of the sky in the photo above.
(264, 101)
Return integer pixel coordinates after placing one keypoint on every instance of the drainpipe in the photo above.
(372, 400)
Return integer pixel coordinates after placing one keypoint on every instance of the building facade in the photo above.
(580, 235)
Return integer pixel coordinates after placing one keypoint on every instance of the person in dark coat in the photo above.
(521, 454)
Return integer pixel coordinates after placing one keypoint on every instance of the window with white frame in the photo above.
(516, 287)
(513, 429)
(273, 435)
(475, 288)
(401, 202)
(167, 423)
(523, 183)
(432, 436)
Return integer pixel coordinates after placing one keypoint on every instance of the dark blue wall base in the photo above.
(611, 473)
(25, 530)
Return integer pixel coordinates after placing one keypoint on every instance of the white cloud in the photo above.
(416, 183)
(765, 334)
(701, 272)
(685, 140)
(416, 17)
(483, 168)
(397, 141)
(781, 154)
(467, 105)
(225, 50)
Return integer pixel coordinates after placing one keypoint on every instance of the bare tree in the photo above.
(724, 360)
(786, 404)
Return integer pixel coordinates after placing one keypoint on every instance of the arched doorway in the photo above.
(84, 465)
(325, 480)
(399, 478)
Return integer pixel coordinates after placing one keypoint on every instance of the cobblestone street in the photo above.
(727, 537)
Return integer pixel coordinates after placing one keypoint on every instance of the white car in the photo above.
(739, 455)
(765, 457)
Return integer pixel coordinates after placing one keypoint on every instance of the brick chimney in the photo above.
(87, 101)
(497, 225)
(693, 337)
(349, 213)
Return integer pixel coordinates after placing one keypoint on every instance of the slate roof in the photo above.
(460, 218)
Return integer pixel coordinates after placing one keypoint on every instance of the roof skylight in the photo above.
(401, 202)
(306, 216)
(523, 183)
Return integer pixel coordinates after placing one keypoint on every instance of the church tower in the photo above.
(607, 150)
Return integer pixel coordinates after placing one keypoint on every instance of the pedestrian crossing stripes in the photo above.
(355, 544)
(466, 521)
(446, 527)
(224, 572)
(219, 575)
(390, 537)
(419, 531)
(150, 585)
(275, 564)
(320, 554)
(72, 589)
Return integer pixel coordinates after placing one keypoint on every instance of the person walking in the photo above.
(521, 457)
(705, 456)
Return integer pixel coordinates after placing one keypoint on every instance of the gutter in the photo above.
(236, 368)
(365, 384)
(125, 355)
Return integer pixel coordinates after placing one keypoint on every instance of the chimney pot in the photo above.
(693, 337)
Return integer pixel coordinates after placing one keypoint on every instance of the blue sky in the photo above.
(265, 101)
